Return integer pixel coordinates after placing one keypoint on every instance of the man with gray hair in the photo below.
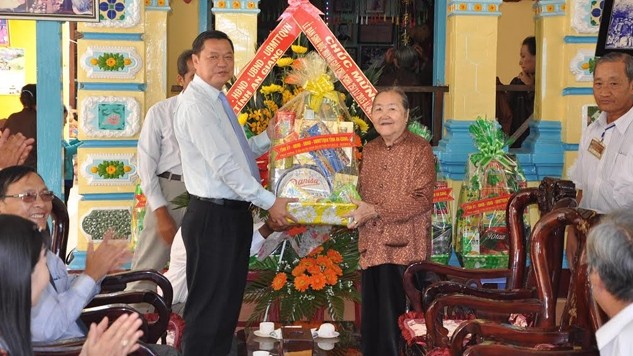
(610, 266)
(603, 172)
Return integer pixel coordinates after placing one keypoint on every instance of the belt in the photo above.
(171, 176)
(228, 203)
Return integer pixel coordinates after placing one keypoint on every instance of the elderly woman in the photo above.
(54, 317)
(610, 260)
(24, 277)
(396, 183)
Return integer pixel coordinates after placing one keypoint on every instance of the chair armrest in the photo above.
(444, 272)
(118, 281)
(66, 347)
(450, 287)
(155, 328)
(437, 335)
(505, 350)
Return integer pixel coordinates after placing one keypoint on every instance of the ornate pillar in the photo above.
(471, 62)
(238, 19)
(111, 68)
(155, 50)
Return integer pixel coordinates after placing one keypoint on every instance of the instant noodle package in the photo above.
(312, 156)
(481, 239)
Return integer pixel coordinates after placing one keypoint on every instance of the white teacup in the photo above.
(266, 327)
(326, 330)
(261, 353)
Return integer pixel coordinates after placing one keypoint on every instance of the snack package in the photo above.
(312, 150)
(441, 223)
(481, 239)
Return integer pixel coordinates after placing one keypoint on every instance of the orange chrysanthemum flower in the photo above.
(314, 269)
(298, 270)
(318, 281)
(302, 283)
(279, 281)
(296, 230)
(335, 256)
(330, 277)
(323, 261)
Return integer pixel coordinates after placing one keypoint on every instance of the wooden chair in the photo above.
(113, 286)
(581, 316)
(550, 193)
(519, 281)
(72, 347)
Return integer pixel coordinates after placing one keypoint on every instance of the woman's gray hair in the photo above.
(610, 253)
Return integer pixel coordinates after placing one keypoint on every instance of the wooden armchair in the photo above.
(551, 193)
(581, 316)
(113, 286)
(72, 347)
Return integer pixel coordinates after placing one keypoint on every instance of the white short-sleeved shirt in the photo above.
(606, 182)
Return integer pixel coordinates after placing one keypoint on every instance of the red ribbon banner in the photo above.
(300, 16)
(343, 66)
(253, 74)
(485, 205)
(442, 195)
(309, 144)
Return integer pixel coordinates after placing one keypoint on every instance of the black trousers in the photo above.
(383, 301)
(217, 240)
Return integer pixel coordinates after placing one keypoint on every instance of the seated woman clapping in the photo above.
(23, 277)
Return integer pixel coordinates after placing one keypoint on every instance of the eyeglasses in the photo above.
(30, 197)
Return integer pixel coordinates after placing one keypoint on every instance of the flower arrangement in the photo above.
(280, 87)
(301, 287)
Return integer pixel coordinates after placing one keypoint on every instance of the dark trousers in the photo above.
(217, 240)
(383, 301)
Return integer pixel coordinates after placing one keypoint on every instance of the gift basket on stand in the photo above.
(492, 175)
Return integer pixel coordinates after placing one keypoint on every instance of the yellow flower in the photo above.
(127, 61)
(271, 104)
(127, 168)
(111, 169)
(269, 89)
(242, 118)
(299, 49)
(94, 61)
(362, 125)
(111, 62)
(284, 61)
(94, 169)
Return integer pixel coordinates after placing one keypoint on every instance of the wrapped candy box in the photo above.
(312, 156)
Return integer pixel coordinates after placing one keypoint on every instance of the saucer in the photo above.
(316, 335)
(275, 334)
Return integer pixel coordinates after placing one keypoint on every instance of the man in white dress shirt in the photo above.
(161, 179)
(603, 172)
(223, 180)
(610, 266)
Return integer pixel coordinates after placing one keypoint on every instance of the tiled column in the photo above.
(238, 19)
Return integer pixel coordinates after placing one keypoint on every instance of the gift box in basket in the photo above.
(312, 156)
(492, 175)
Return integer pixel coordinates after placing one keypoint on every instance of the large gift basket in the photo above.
(312, 156)
(492, 175)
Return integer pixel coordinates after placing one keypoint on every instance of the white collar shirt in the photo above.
(606, 183)
(158, 150)
(213, 163)
(615, 337)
